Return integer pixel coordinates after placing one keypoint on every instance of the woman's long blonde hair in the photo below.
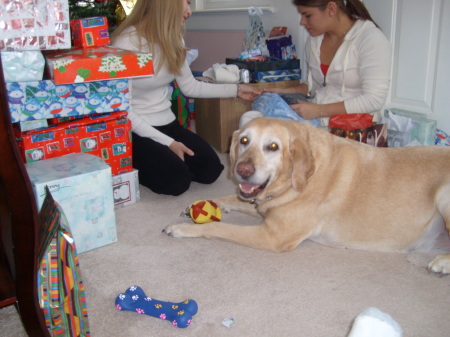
(159, 22)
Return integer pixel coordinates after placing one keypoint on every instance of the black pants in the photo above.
(161, 170)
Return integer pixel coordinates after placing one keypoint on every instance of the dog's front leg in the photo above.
(233, 203)
(252, 236)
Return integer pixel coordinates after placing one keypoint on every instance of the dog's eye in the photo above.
(273, 147)
(244, 140)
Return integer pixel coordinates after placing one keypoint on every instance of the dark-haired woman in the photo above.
(348, 61)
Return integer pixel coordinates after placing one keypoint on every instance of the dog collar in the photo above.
(255, 201)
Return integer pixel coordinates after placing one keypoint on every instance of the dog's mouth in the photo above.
(249, 191)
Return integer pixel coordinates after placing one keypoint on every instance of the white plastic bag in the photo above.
(255, 32)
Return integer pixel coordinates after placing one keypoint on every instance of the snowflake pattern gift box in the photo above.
(81, 184)
(79, 65)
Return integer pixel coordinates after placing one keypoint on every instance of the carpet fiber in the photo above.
(312, 291)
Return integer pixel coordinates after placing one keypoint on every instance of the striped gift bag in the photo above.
(60, 286)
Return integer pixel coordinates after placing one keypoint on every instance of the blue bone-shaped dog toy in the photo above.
(134, 299)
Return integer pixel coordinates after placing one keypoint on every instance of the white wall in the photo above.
(418, 29)
(285, 15)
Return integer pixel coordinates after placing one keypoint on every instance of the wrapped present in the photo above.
(126, 189)
(278, 31)
(407, 128)
(277, 75)
(78, 65)
(81, 184)
(268, 71)
(89, 32)
(77, 121)
(269, 65)
(45, 100)
(442, 138)
(61, 292)
(34, 25)
(180, 106)
(288, 52)
(23, 66)
(278, 41)
(30, 125)
(359, 127)
(108, 138)
(275, 44)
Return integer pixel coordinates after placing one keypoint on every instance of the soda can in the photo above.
(244, 76)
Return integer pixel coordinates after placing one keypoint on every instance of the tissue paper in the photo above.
(23, 66)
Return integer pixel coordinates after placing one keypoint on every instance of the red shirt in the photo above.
(324, 68)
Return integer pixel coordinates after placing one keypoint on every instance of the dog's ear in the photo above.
(302, 162)
(233, 151)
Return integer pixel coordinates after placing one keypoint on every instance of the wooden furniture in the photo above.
(217, 118)
(18, 229)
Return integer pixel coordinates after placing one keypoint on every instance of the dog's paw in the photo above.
(180, 230)
(226, 204)
(223, 207)
(440, 265)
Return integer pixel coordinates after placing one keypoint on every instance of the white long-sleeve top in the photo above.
(359, 74)
(150, 96)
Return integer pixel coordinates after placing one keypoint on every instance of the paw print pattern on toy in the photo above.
(134, 299)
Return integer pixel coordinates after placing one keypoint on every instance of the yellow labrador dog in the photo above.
(309, 184)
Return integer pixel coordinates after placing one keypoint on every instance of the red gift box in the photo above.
(97, 63)
(90, 32)
(76, 121)
(351, 121)
(108, 137)
(278, 31)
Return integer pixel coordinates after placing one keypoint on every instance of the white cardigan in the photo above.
(150, 101)
(359, 74)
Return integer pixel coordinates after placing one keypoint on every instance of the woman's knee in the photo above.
(178, 188)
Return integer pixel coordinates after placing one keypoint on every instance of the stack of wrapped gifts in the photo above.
(277, 61)
(65, 99)
(69, 108)
(68, 96)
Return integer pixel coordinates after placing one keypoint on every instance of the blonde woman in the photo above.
(168, 156)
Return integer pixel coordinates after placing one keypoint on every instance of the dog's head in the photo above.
(269, 156)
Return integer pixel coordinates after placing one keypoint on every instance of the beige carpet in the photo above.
(314, 291)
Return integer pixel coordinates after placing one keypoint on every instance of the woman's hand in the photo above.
(180, 149)
(248, 92)
(307, 110)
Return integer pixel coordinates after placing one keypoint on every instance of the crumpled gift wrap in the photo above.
(23, 66)
(273, 106)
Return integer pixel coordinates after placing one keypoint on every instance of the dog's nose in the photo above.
(245, 169)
